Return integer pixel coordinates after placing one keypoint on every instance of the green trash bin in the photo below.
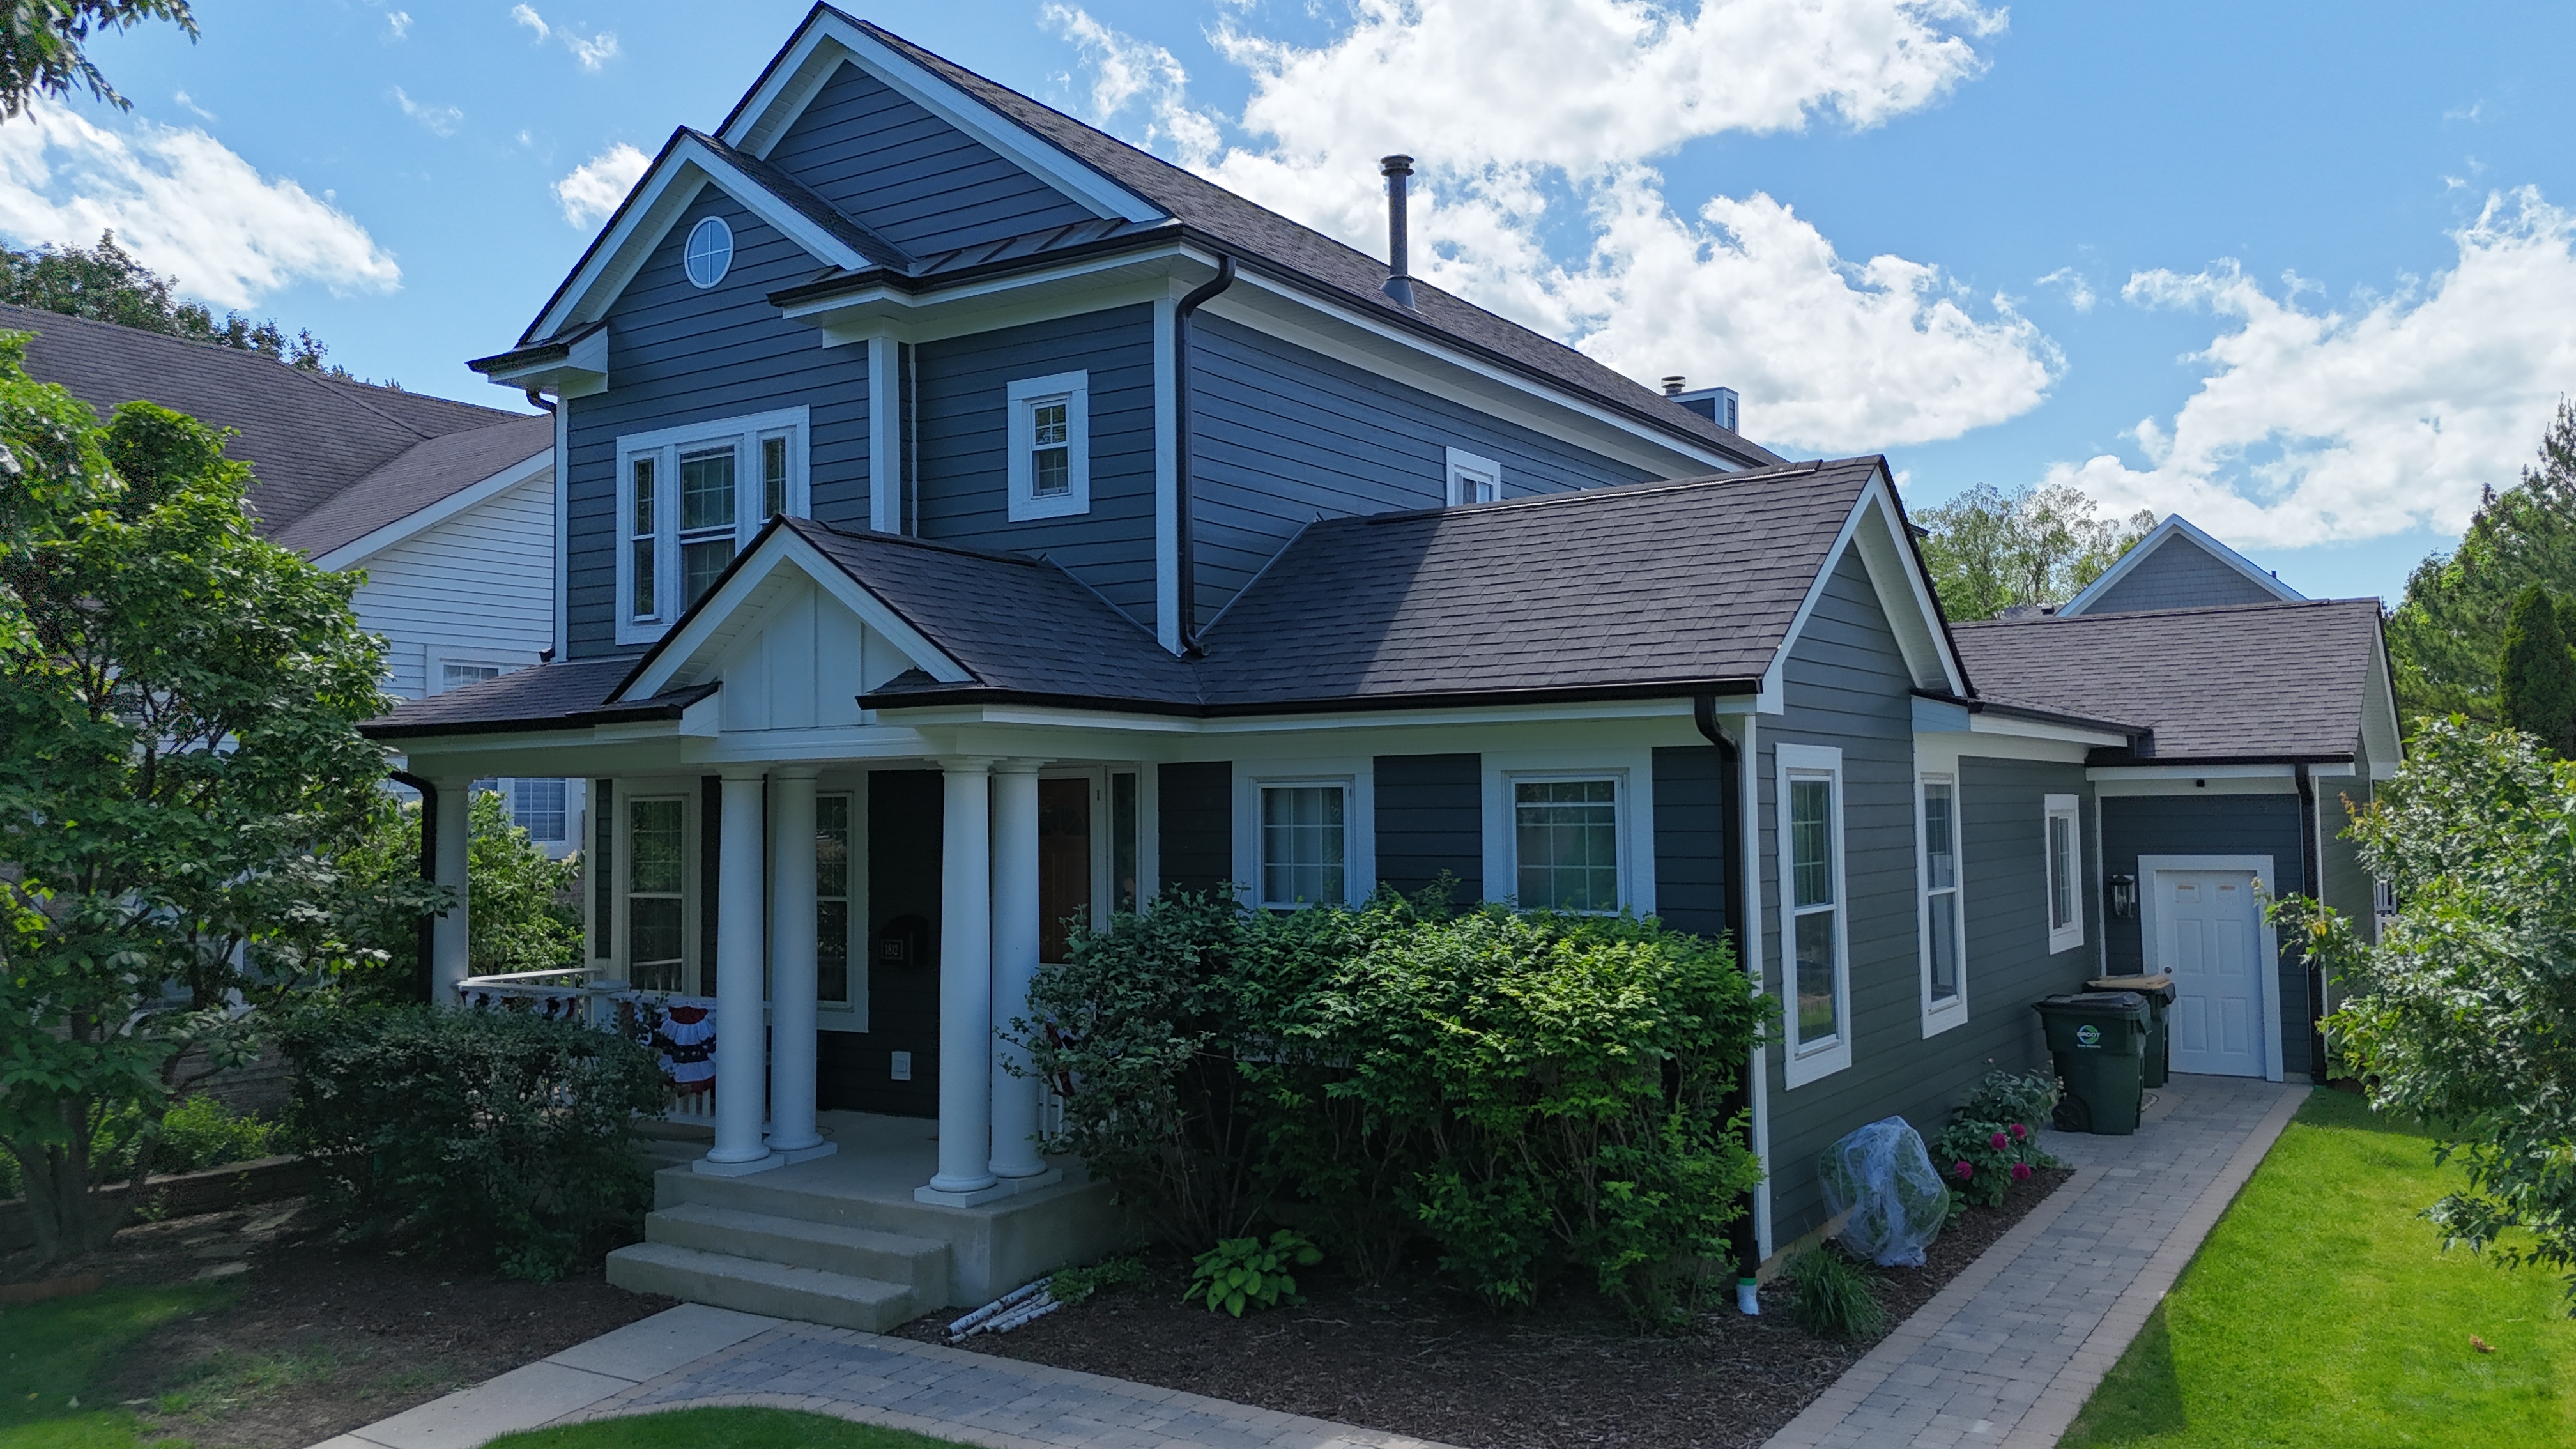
(2099, 1041)
(2159, 992)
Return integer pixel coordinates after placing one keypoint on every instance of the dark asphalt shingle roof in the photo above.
(549, 696)
(2278, 681)
(417, 477)
(305, 435)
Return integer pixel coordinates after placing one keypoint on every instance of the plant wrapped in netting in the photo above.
(1897, 1202)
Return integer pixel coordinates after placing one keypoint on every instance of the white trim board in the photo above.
(1918, 636)
(2174, 526)
(1800, 1068)
(2266, 939)
(420, 520)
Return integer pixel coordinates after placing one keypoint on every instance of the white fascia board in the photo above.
(665, 192)
(1987, 722)
(1927, 649)
(358, 550)
(2189, 772)
(830, 39)
(1953, 745)
(1040, 294)
(712, 621)
(582, 370)
(2174, 525)
(1140, 722)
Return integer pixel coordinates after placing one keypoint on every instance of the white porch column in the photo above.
(741, 1045)
(792, 967)
(1015, 964)
(965, 990)
(449, 959)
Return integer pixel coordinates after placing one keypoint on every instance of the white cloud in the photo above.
(1516, 106)
(2079, 292)
(522, 15)
(438, 120)
(188, 103)
(596, 186)
(398, 25)
(2320, 427)
(592, 52)
(183, 204)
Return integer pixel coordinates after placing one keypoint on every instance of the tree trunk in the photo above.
(67, 1219)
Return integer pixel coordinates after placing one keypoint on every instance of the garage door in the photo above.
(2209, 939)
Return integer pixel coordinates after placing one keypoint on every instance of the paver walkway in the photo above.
(711, 1356)
(2008, 1352)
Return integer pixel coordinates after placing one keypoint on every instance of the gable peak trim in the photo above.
(2174, 526)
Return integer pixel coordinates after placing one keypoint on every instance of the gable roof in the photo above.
(426, 473)
(307, 437)
(2175, 532)
(2249, 683)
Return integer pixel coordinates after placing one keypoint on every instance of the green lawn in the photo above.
(720, 1429)
(2323, 1311)
(55, 1354)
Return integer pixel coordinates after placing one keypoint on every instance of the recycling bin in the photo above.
(2159, 992)
(2099, 1042)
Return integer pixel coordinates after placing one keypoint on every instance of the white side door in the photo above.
(2209, 939)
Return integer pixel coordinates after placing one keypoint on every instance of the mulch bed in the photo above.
(1413, 1357)
(317, 1339)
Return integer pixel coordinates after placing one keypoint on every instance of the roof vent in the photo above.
(1717, 404)
(1673, 385)
(1399, 279)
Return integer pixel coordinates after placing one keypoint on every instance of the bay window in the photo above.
(689, 499)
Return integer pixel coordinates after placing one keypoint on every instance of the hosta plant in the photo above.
(1241, 1273)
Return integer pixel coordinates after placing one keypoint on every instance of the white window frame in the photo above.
(687, 893)
(1620, 817)
(434, 659)
(1353, 889)
(715, 226)
(1466, 473)
(664, 446)
(850, 1015)
(1940, 1016)
(1073, 389)
(1808, 1062)
(2069, 809)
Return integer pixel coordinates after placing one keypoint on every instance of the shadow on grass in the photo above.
(720, 1428)
(2140, 1399)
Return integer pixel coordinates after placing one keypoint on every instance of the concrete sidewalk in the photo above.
(2010, 1350)
(694, 1355)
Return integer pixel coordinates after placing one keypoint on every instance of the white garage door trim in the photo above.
(2267, 943)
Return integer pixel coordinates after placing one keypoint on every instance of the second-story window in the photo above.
(1050, 440)
(1473, 479)
(689, 499)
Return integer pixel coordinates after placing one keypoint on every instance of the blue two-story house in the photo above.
(971, 523)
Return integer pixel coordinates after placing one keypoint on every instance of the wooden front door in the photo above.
(1064, 862)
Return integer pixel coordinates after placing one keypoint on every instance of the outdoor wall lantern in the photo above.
(2124, 896)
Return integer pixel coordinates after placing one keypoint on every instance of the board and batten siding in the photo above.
(1281, 436)
(1694, 803)
(1430, 812)
(963, 440)
(2211, 824)
(2180, 574)
(681, 355)
(481, 580)
(911, 177)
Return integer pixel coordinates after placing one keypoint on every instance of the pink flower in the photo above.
(2020, 1132)
(1962, 1171)
(2021, 1172)
(1999, 1142)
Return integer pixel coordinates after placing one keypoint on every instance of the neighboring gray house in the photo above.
(448, 507)
(2267, 720)
(974, 522)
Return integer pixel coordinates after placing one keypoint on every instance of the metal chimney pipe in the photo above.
(1674, 386)
(1399, 276)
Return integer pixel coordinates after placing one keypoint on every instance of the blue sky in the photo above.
(2303, 274)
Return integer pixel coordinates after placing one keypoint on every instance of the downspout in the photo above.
(1743, 1240)
(2311, 884)
(1184, 486)
(428, 927)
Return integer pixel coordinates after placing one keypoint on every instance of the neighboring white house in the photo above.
(447, 506)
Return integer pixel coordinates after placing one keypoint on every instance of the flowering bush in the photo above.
(1992, 1141)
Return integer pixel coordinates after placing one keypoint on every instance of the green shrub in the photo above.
(1071, 1286)
(493, 1133)
(1833, 1297)
(1530, 1094)
(1241, 1273)
(1992, 1141)
(201, 1132)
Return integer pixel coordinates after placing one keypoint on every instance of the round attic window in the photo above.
(710, 251)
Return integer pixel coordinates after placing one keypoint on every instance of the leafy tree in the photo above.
(523, 912)
(1990, 551)
(106, 284)
(2443, 640)
(2536, 683)
(43, 45)
(2464, 1013)
(179, 759)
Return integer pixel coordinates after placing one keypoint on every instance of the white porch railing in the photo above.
(686, 1047)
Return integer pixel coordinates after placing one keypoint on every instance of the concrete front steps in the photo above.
(757, 1262)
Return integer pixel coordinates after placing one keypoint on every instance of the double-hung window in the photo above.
(832, 883)
(2063, 848)
(1945, 999)
(656, 909)
(1565, 844)
(1473, 479)
(538, 807)
(689, 499)
(1814, 925)
(1049, 431)
(1305, 845)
